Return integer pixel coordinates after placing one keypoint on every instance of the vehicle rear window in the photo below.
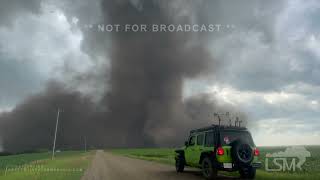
(227, 137)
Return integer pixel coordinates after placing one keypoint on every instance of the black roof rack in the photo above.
(221, 127)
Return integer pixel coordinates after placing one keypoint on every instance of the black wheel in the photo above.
(208, 170)
(248, 173)
(179, 164)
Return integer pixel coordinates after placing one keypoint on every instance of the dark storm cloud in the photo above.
(16, 78)
(86, 13)
(247, 15)
(266, 68)
(30, 125)
(248, 56)
(140, 76)
(17, 81)
(144, 105)
(26, 46)
(200, 109)
(11, 9)
(269, 48)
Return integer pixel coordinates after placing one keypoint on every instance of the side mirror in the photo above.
(186, 143)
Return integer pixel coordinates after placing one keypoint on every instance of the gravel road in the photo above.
(107, 166)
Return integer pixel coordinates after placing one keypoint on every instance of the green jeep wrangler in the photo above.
(223, 148)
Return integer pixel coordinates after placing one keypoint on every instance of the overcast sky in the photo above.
(269, 65)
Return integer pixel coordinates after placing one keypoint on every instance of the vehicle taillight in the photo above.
(220, 151)
(256, 152)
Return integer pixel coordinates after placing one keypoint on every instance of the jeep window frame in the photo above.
(203, 139)
(251, 141)
(206, 144)
(194, 142)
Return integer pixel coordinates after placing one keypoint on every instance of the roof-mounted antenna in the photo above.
(216, 114)
(240, 123)
(237, 120)
(228, 115)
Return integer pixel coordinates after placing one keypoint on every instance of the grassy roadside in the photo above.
(68, 165)
(166, 155)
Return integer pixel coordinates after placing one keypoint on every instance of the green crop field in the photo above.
(311, 168)
(67, 165)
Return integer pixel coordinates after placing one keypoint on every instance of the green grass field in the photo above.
(311, 169)
(68, 165)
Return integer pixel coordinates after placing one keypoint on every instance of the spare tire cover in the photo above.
(242, 152)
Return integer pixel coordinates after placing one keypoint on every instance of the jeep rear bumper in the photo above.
(235, 167)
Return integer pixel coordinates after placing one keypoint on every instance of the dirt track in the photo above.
(107, 166)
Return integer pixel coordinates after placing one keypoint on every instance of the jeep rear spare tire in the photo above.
(242, 152)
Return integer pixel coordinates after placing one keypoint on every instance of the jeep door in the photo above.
(190, 150)
(198, 148)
